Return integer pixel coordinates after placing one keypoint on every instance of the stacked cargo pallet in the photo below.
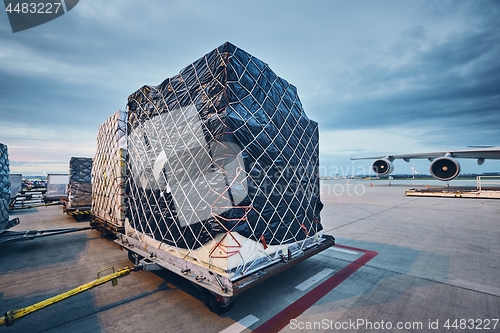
(108, 174)
(222, 166)
(80, 183)
(16, 184)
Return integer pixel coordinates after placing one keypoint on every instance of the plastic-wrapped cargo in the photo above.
(16, 184)
(80, 182)
(4, 184)
(56, 186)
(223, 166)
(108, 172)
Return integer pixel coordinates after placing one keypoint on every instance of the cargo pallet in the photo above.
(6, 225)
(219, 291)
(106, 228)
(458, 193)
(27, 199)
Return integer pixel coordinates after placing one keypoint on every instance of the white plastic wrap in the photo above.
(16, 184)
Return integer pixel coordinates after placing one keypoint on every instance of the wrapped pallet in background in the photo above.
(223, 165)
(80, 182)
(16, 184)
(4, 184)
(108, 170)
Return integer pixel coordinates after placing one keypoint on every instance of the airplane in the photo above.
(444, 165)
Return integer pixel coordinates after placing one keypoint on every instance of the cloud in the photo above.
(381, 76)
(452, 81)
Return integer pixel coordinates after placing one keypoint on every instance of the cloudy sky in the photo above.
(380, 77)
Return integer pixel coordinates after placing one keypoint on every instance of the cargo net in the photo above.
(80, 182)
(108, 170)
(222, 157)
(4, 184)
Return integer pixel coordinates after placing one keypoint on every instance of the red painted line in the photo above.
(295, 309)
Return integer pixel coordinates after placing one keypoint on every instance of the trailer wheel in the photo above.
(218, 304)
(105, 233)
(134, 257)
(205, 296)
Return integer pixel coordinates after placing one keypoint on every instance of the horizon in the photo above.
(372, 175)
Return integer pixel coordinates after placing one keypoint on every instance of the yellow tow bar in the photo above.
(11, 317)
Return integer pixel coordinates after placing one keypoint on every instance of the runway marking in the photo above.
(314, 279)
(241, 325)
(334, 248)
(280, 320)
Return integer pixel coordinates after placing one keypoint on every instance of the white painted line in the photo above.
(241, 325)
(342, 250)
(314, 279)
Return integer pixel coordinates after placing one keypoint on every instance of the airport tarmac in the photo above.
(401, 264)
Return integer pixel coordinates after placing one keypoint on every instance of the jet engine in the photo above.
(382, 167)
(445, 168)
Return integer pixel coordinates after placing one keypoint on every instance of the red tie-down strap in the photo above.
(263, 241)
(305, 229)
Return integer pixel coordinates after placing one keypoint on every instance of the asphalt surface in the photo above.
(401, 264)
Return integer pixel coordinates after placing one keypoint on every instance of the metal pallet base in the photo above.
(211, 280)
(483, 194)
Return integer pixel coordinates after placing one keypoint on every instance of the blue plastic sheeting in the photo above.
(4, 183)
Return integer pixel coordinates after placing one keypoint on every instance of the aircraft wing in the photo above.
(469, 153)
(443, 163)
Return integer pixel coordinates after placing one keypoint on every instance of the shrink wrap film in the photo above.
(80, 182)
(108, 170)
(4, 183)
